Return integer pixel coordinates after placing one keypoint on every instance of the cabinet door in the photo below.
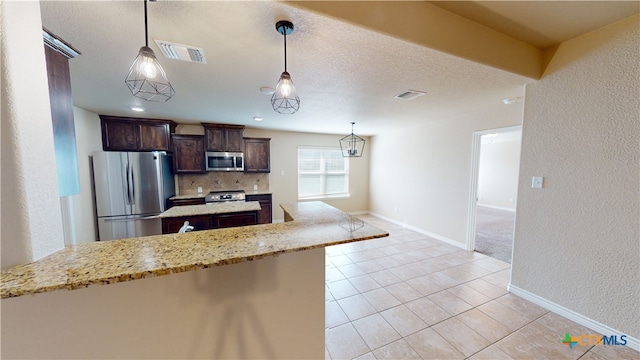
(256, 155)
(235, 219)
(136, 134)
(154, 137)
(220, 137)
(182, 202)
(173, 225)
(234, 140)
(215, 139)
(265, 214)
(119, 135)
(188, 154)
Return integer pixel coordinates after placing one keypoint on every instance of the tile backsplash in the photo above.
(220, 180)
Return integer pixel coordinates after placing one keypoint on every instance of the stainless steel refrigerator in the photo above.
(130, 189)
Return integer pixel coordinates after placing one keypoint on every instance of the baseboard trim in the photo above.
(365, 212)
(422, 231)
(632, 342)
(497, 207)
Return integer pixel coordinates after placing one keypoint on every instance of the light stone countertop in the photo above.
(211, 208)
(315, 225)
(203, 194)
(188, 196)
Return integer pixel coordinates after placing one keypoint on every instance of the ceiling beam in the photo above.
(427, 25)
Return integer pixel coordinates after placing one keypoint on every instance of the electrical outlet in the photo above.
(199, 189)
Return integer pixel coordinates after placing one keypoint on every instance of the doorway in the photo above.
(494, 189)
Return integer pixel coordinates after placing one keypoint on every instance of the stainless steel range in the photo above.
(222, 196)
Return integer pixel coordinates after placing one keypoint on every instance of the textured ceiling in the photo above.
(342, 72)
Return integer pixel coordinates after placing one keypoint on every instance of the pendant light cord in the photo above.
(146, 34)
(285, 48)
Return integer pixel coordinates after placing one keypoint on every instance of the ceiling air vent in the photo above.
(181, 52)
(409, 95)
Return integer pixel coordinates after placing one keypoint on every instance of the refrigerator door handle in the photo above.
(130, 218)
(126, 175)
(133, 188)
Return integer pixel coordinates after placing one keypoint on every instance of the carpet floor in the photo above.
(494, 232)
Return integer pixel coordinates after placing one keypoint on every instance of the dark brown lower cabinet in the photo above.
(265, 214)
(205, 222)
(173, 225)
(235, 219)
(182, 202)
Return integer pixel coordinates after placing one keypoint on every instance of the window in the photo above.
(322, 173)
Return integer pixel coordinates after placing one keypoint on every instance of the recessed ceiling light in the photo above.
(267, 90)
(137, 109)
(257, 118)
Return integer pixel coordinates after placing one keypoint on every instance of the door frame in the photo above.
(473, 186)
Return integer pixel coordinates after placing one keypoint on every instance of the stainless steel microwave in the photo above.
(224, 161)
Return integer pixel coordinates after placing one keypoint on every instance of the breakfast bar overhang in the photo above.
(270, 308)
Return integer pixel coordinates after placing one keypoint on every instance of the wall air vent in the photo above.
(409, 95)
(181, 52)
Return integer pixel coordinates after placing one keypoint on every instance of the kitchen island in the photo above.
(231, 307)
(210, 216)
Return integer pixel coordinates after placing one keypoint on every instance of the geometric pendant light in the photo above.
(285, 100)
(352, 145)
(146, 79)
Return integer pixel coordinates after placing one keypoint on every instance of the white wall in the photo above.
(272, 308)
(284, 157)
(31, 217)
(88, 140)
(577, 240)
(498, 174)
(424, 172)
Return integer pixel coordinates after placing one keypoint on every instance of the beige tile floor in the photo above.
(409, 296)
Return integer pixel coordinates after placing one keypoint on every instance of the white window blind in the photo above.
(322, 172)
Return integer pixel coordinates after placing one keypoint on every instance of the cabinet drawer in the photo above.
(235, 219)
(182, 202)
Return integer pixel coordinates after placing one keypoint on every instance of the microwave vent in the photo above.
(181, 52)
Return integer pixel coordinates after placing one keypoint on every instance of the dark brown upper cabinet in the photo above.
(219, 137)
(136, 134)
(256, 155)
(188, 154)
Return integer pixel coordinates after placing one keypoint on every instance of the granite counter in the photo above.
(211, 208)
(202, 195)
(314, 225)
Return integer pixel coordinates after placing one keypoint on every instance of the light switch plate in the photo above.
(536, 182)
(199, 189)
